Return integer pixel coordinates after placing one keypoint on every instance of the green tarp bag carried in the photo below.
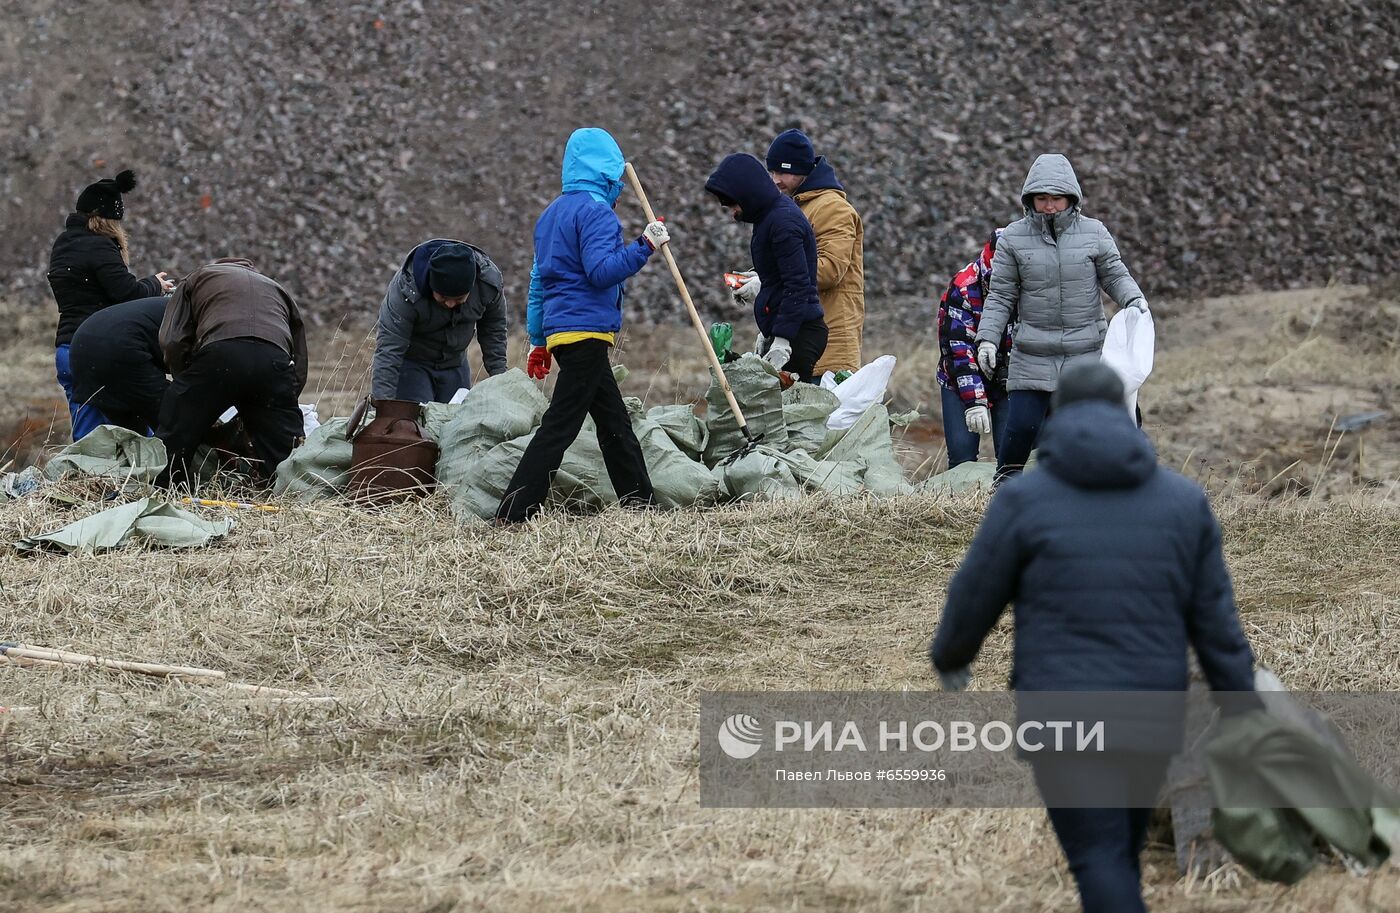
(1262, 769)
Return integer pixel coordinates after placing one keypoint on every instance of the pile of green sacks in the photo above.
(482, 438)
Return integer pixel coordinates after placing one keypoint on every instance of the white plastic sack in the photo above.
(1129, 348)
(860, 391)
(310, 421)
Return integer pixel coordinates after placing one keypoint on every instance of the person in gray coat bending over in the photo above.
(1048, 269)
(445, 293)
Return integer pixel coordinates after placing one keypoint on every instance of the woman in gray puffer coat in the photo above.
(1048, 269)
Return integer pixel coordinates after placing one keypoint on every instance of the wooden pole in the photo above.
(690, 306)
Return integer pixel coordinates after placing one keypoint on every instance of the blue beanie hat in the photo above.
(792, 153)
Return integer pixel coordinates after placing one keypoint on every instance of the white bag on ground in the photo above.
(860, 391)
(1129, 348)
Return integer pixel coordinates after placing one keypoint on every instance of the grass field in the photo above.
(515, 723)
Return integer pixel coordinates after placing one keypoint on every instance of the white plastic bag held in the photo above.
(1128, 349)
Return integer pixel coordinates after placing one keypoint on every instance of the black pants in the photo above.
(585, 387)
(807, 349)
(252, 375)
(1103, 845)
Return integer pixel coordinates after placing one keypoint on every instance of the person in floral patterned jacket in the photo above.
(973, 405)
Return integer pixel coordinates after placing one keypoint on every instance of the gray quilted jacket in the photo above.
(1048, 271)
(415, 327)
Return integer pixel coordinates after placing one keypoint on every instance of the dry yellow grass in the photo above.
(517, 719)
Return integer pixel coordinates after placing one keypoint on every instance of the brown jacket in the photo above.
(840, 274)
(229, 299)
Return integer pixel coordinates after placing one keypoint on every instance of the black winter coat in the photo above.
(783, 247)
(87, 274)
(1114, 565)
(117, 363)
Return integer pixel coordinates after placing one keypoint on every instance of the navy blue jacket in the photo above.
(1114, 565)
(784, 249)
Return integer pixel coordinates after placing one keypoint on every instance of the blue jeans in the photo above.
(86, 417)
(1026, 411)
(963, 444)
(421, 384)
(1103, 845)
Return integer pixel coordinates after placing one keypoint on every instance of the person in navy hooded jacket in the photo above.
(792, 333)
(1093, 615)
(573, 313)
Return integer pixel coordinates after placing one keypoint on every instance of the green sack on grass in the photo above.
(109, 452)
(806, 407)
(756, 389)
(147, 521)
(868, 442)
(320, 467)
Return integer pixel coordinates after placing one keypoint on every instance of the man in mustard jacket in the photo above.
(810, 180)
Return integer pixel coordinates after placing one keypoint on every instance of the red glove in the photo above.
(539, 363)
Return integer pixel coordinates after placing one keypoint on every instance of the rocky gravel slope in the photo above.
(1228, 144)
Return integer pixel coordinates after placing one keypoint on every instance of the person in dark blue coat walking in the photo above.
(792, 333)
(1115, 567)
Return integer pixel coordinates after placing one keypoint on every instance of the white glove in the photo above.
(987, 357)
(759, 343)
(779, 353)
(656, 234)
(957, 680)
(1140, 304)
(978, 419)
(746, 293)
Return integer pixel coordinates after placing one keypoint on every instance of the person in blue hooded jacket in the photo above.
(1115, 567)
(573, 313)
(792, 333)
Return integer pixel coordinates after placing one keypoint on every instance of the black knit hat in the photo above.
(105, 197)
(792, 153)
(1089, 381)
(452, 270)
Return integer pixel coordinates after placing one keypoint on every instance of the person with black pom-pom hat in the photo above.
(88, 271)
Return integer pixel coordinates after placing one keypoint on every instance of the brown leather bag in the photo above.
(391, 459)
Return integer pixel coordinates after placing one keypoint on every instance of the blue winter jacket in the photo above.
(580, 258)
(1114, 565)
(784, 249)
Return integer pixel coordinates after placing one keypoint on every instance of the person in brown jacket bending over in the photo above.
(810, 180)
(231, 337)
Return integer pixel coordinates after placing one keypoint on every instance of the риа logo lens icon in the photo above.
(741, 737)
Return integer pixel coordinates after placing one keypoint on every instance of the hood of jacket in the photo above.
(823, 177)
(1097, 445)
(1051, 173)
(415, 265)
(593, 162)
(744, 179)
